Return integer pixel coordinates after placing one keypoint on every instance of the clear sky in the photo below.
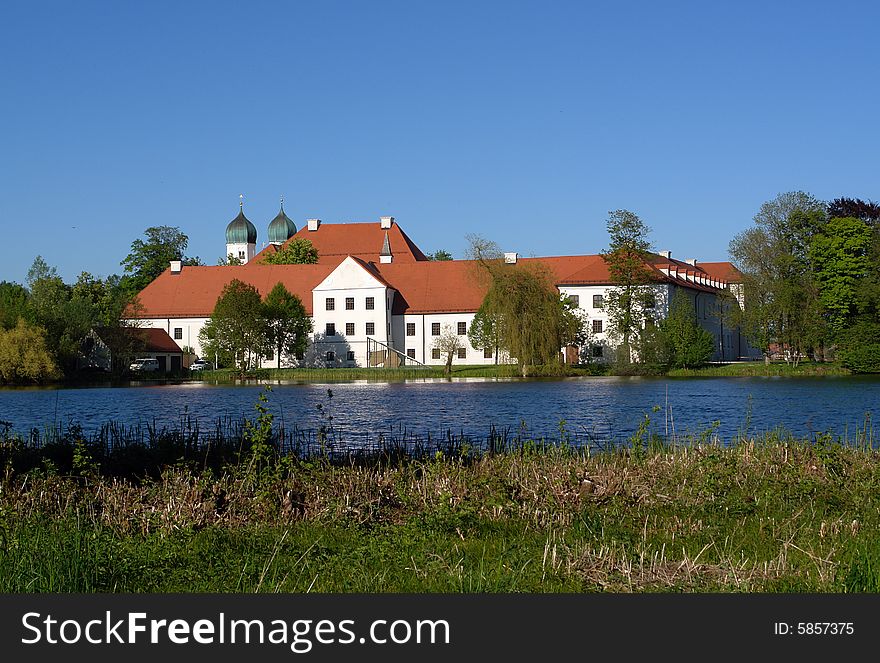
(525, 122)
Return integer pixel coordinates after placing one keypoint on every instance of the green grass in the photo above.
(392, 374)
(760, 369)
(765, 515)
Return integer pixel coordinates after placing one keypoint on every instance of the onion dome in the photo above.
(281, 228)
(240, 230)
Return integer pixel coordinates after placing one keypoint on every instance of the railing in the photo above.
(380, 355)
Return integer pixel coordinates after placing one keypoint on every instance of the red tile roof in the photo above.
(335, 241)
(723, 271)
(194, 291)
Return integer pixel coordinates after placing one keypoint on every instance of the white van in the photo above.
(150, 365)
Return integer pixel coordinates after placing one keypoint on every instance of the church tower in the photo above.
(241, 237)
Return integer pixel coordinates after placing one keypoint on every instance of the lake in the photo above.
(602, 408)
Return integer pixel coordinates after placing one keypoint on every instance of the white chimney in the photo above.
(666, 254)
(510, 258)
(176, 266)
(691, 261)
(313, 224)
(385, 222)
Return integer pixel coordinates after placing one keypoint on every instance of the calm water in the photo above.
(607, 408)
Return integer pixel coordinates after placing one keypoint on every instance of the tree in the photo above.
(288, 325)
(24, 356)
(150, 258)
(689, 344)
(626, 259)
(840, 258)
(237, 328)
(782, 294)
(230, 261)
(295, 252)
(854, 208)
(449, 343)
(485, 329)
(440, 254)
(13, 304)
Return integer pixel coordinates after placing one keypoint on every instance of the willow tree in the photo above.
(531, 320)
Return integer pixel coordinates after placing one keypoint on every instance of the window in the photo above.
(241, 255)
(178, 333)
(371, 329)
(435, 353)
(371, 303)
(487, 353)
(410, 329)
(270, 355)
(649, 301)
(411, 353)
(435, 329)
(462, 328)
(597, 351)
(597, 326)
(575, 300)
(350, 355)
(330, 329)
(330, 356)
(598, 301)
(462, 353)
(300, 356)
(349, 329)
(349, 303)
(331, 304)
(649, 323)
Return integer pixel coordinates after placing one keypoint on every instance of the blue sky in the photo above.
(523, 122)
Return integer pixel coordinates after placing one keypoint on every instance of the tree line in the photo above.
(812, 280)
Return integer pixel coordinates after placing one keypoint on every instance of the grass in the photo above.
(760, 369)
(769, 514)
(392, 374)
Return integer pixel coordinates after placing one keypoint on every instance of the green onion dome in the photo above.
(240, 230)
(281, 228)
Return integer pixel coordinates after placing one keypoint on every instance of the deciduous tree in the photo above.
(149, 258)
(237, 327)
(295, 252)
(288, 325)
(626, 257)
(449, 343)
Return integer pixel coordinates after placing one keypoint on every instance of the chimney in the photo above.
(691, 261)
(313, 224)
(385, 222)
(176, 266)
(510, 258)
(666, 254)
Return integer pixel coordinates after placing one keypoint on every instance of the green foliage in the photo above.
(149, 258)
(237, 328)
(295, 252)
(781, 291)
(626, 260)
(840, 261)
(859, 348)
(13, 304)
(230, 261)
(532, 321)
(24, 356)
(689, 344)
(288, 325)
(485, 330)
(440, 254)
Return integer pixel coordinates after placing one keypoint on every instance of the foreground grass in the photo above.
(765, 515)
(760, 369)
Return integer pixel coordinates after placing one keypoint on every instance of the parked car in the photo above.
(201, 365)
(150, 365)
